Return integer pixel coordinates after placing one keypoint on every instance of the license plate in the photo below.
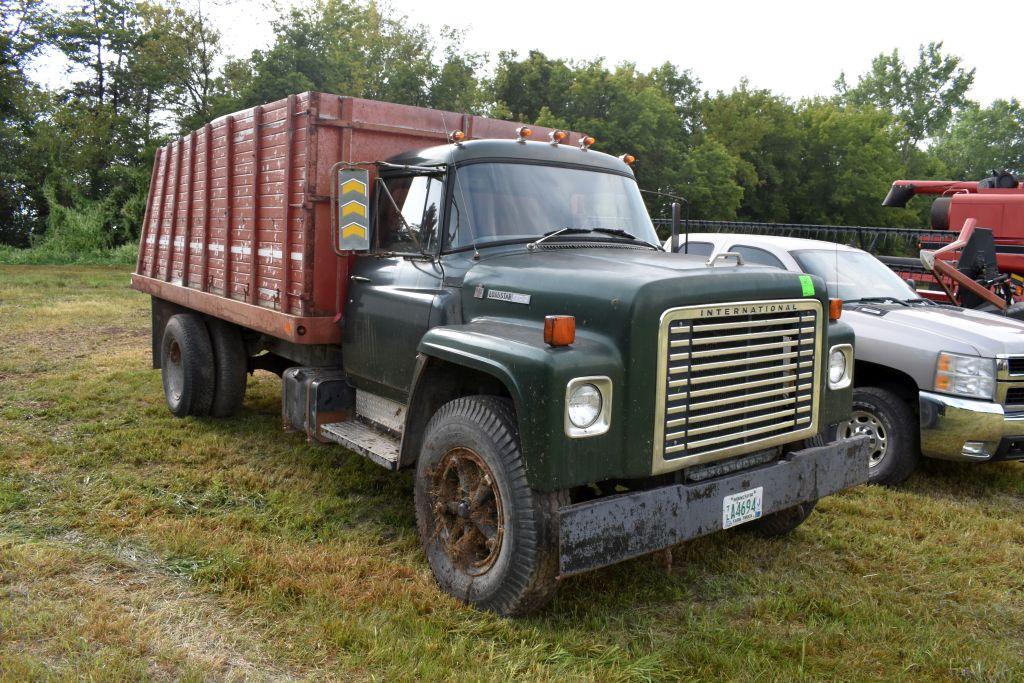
(742, 507)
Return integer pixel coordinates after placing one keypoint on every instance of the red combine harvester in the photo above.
(982, 265)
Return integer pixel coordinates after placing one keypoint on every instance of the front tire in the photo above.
(490, 539)
(186, 366)
(893, 431)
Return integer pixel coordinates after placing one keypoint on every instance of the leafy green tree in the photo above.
(761, 131)
(922, 99)
(850, 157)
(22, 208)
(354, 49)
(984, 139)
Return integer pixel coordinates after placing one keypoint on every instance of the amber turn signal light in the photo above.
(457, 136)
(835, 309)
(559, 330)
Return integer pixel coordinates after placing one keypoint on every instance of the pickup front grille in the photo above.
(1016, 365)
(735, 378)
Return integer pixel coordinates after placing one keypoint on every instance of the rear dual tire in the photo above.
(203, 366)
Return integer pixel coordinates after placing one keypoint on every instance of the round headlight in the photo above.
(585, 405)
(836, 366)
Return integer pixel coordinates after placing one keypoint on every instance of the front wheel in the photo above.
(892, 431)
(490, 539)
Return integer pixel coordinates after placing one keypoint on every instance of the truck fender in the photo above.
(507, 359)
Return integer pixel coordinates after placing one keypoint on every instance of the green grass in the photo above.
(53, 254)
(137, 546)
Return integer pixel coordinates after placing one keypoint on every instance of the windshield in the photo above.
(853, 275)
(508, 201)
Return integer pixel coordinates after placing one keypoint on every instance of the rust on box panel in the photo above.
(186, 246)
(148, 214)
(286, 254)
(162, 197)
(253, 286)
(229, 174)
(204, 257)
(169, 252)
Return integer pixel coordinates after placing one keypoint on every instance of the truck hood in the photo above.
(938, 328)
(609, 289)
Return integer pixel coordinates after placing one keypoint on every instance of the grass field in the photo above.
(137, 546)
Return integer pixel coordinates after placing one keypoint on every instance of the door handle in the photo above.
(358, 278)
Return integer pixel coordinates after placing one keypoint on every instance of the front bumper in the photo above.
(601, 532)
(968, 430)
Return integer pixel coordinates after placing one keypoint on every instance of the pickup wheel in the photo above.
(231, 364)
(892, 428)
(186, 366)
(490, 539)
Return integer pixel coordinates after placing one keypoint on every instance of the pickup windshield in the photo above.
(500, 202)
(854, 275)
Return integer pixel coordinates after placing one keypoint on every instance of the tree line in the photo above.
(76, 157)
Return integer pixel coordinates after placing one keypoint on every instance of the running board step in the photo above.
(363, 439)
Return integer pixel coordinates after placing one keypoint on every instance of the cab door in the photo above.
(392, 288)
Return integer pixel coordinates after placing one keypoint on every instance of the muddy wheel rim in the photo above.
(175, 372)
(863, 423)
(467, 508)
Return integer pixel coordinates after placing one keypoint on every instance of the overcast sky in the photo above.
(795, 48)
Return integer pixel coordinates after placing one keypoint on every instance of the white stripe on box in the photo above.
(270, 251)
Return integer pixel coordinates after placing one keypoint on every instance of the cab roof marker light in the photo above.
(456, 137)
(557, 136)
(523, 132)
(586, 141)
(627, 159)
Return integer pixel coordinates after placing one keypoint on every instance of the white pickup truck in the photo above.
(930, 379)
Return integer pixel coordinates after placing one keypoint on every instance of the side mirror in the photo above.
(353, 221)
(912, 283)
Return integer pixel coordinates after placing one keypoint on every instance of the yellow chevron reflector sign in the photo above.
(353, 210)
(353, 207)
(354, 185)
(353, 230)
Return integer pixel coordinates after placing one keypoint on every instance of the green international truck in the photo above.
(488, 306)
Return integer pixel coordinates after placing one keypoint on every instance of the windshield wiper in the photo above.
(618, 232)
(878, 300)
(614, 232)
(922, 300)
(554, 233)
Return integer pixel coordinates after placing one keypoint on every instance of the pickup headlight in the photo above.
(840, 366)
(966, 375)
(588, 406)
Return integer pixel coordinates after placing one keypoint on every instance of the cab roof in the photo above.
(510, 150)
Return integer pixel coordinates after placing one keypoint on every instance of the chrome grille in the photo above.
(735, 378)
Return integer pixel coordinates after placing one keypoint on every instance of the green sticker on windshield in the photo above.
(807, 285)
